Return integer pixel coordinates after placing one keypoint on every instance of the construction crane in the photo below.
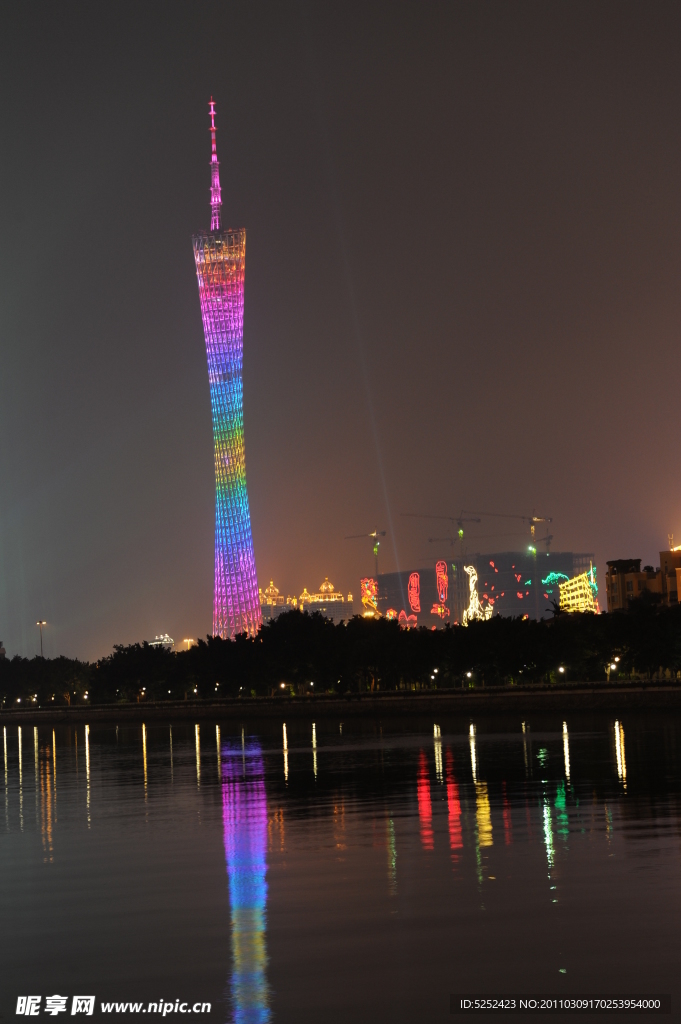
(458, 520)
(532, 520)
(373, 536)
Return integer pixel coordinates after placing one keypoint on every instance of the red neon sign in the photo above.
(414, 592)
(441, 581)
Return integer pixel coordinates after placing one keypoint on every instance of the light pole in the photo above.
(41, 623)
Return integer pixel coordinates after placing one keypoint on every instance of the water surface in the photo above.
(316, 870)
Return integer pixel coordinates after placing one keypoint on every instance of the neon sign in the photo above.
(475, 610)
(406, 621)
(414, 592)
(368, 589)
(441, 581)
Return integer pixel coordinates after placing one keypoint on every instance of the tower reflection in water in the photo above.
(244, 814)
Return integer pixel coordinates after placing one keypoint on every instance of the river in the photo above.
(330, 871)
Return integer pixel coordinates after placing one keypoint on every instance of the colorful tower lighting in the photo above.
(244, 815)
(220, 258)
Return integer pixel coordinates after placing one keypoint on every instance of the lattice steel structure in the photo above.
(220, 258)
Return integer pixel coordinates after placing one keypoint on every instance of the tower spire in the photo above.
(215, 193)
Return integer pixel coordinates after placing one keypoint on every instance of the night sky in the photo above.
(462, 291)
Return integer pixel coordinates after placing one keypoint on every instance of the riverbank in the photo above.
(576, 697)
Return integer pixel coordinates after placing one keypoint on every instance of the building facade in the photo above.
(327, 601)
(220, 257)
(626, 581)
(512, 583)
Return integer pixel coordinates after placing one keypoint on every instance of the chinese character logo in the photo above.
(414, 592)
(55, 1005)
(83, 1004)
(441, 581)
(29, 1006)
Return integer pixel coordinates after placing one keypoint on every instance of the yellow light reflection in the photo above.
(483, 814)
(144, 757)
(35, 762)
(285, 755)
(474, 763)
(171, 754)
(4, 744)
(525, 757)
(566, 751)
(276, 824)
(46, 809)
(21, 784)
(198, 754)
(439, 774)
(54, 762)
(392, 857)
(87, 770)
(619, 752)
(314, 749)
(217, 740)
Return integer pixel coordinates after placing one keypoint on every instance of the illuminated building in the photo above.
(624, 581)
(437, 596)
(670, 567)
(579, 593)
(272, 603)
(244, 816)
(163, 641)
(220, 257)
(327, 601)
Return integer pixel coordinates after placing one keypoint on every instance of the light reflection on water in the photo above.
(244, 810)
(399, 858)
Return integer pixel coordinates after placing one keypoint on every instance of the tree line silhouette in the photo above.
(301, 653)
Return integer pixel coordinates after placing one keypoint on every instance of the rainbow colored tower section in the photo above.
(244, 813)
(220, 258)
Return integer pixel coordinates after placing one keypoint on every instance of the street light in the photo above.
(41, 623)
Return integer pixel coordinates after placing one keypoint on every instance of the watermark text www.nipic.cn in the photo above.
(31, 1006)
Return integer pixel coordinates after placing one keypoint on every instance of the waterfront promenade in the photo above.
(494, 700)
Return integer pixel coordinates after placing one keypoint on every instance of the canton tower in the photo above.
(220, 257)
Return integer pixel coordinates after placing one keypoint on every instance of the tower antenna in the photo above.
(215, 193)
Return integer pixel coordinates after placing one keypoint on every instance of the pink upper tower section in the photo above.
(215, 193)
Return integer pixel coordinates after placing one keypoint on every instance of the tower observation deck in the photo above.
(220, 257)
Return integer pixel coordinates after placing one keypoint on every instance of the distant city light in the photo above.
(469, 674)
(561, 669)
